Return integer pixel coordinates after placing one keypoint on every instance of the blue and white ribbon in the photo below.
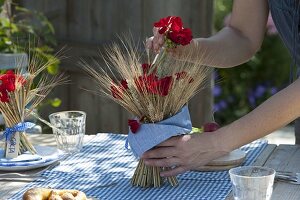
(151, 134)
(20, 127)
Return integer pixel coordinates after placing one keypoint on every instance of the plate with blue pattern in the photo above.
(45, 156)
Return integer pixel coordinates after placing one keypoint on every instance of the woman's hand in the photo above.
(156, 42)
(187, 152)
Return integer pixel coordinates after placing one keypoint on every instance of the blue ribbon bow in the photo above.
(20, 127)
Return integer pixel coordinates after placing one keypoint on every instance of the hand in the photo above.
(183, 153)
(156, 42)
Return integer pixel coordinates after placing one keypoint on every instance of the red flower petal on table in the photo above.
(134, 125)
(182, 37)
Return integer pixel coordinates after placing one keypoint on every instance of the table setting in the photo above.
(103, 169)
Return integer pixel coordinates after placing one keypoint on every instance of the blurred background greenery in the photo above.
(240, 89)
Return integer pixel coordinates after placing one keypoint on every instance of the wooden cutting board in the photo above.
(233, 159)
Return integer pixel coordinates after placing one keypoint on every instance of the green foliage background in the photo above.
(240, 89)
(29, 31)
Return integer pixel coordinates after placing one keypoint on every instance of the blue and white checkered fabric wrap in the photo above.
(103, 170)
(152, 134)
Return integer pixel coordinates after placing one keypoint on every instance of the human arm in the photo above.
(188, 152)
(234, 44)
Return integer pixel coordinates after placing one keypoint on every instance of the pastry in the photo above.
(53, 194)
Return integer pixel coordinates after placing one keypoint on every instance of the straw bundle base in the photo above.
(25, 144)
(148, 176)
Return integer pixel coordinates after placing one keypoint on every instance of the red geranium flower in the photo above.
(118, 90)
(146, 67)
(182, 37)
(134, 125)
(145, 83)
(170, 23)
(162, 86)
(7, 84)
(8, 81)
(180, 75)
(163, 24)
(176, 24)
(124, 84)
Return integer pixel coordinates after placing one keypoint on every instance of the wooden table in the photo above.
(282, 157)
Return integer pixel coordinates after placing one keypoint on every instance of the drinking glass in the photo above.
(69, 129)
(252, 182)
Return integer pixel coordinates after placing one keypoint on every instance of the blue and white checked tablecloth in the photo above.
(104, 167)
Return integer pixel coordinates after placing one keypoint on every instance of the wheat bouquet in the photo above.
(19, 96)
(155, 92)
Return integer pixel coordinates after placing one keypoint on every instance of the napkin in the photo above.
(44, 155)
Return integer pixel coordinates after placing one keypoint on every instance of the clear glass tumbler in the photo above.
(69, 129)
(252, 182)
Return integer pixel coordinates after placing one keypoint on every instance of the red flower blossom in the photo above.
(162, 86)
(117, 91)
(7, 84)
(134, 125)
(4, 97)
(145, 83)
(163, 24)
(170, 23)
(124, 84)
(172, 28)
(182, 37)
(8, 81)
(180, 75)
(176, 24)
(153, 85)
(146, 67)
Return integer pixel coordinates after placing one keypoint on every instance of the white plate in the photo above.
(48, 156)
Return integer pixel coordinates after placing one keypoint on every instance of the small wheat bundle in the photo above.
(18, 98)
(156, 93)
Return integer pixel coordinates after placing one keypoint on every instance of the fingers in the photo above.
(160, 152)
(149, 43)
(163, 162)
(157, 40)
(155, 31)
(173, 172)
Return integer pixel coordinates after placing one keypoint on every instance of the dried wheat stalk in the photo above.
(123, 62)
(26, 97)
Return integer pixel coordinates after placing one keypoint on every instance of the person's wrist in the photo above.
(222, 142)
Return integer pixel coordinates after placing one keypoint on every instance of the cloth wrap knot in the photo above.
(151, 134)
(20, 127)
